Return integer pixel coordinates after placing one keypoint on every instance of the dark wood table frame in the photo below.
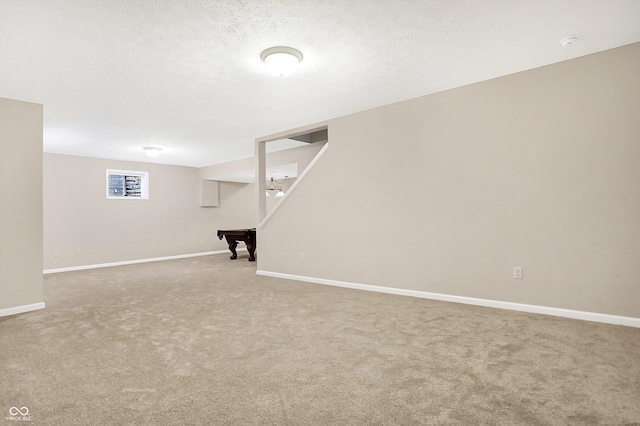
(235, 235)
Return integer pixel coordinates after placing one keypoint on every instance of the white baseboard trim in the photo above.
(21, 309)
(131, 262)
(534, 309)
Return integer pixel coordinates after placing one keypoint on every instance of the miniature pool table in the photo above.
(234, 235)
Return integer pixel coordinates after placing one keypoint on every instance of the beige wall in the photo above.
(448, 192)
(87, 229)
(20, 205)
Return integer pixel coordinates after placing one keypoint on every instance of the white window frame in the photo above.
(144, 185)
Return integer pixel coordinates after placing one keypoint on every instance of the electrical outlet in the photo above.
(517, 272)
(56, 253)
(301, 256)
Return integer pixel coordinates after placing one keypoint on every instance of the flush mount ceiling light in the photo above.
(281, 60)
(568, 41)
(152, 151)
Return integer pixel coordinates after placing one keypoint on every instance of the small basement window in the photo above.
(125, 184)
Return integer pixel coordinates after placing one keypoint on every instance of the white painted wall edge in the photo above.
(21, 309)
(131, 262)
(535, 309)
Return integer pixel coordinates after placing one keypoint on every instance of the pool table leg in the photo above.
(232, 247)
(251, 248)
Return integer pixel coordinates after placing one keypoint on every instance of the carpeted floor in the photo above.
(205, 341)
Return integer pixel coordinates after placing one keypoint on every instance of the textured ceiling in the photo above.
(117, 75)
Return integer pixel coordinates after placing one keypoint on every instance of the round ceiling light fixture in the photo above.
(281, 60)
(568, 41)
(152, 151)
